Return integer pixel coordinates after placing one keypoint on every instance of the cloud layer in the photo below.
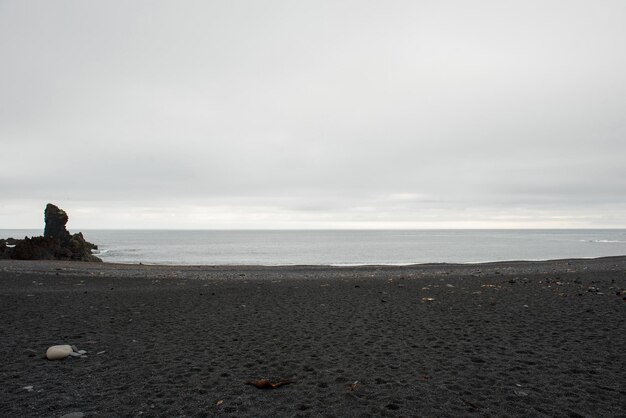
(326, 114)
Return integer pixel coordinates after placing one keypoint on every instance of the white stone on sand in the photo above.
(58, 352)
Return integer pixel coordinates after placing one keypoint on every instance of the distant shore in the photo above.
(514, 338)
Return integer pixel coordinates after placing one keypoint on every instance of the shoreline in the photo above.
(324, 266)
(340, 265)
(512, 339)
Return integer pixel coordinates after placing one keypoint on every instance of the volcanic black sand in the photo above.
(500, 339)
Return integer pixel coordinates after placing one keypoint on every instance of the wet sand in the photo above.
(499, 339)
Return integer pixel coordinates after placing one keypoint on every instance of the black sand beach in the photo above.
(501, 339)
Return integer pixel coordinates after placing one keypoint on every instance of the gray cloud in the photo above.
(316, 114)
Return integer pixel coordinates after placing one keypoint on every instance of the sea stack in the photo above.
(55, 244)
(55, 220)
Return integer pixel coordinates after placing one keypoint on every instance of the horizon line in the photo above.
(331, 229)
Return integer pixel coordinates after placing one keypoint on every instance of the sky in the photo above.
(314, 114)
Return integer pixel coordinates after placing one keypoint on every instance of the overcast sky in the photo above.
(314, 114)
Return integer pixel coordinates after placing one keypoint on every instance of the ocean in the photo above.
(345, 247)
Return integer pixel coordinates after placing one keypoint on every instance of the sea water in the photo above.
(345, 247)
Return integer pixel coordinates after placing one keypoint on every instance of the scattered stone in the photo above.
(352, 386)
(58, 352)
(471, 404)
(28, 388)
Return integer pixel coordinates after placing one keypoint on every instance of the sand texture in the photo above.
(501, 339)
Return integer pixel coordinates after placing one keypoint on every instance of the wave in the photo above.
(604, 241)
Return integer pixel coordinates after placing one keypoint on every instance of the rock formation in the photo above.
(55, 220)
(55, 244)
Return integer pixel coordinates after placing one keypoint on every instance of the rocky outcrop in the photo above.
(56, 243)
(80, 248)
(55, 220)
